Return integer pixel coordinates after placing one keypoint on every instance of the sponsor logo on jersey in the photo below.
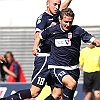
(62, 42)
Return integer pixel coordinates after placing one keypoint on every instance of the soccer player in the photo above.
(63, 62)
(41, 74)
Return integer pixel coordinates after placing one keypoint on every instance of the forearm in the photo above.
(36, 35)
(36, 44)
(65, 4)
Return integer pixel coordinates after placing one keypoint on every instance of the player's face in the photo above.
(53, 6)
(66, 22)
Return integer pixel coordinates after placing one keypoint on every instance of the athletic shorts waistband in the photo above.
(64, 67)
(43, 54)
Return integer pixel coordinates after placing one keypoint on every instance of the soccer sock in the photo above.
(20, 95)
(68, 94)
(50, 97)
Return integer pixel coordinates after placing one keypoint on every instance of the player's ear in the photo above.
(47, 3)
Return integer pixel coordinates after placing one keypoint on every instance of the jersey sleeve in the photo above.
(46, 33)
(40, 23)
(85, 36)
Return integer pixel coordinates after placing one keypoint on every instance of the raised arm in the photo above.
(65, 4)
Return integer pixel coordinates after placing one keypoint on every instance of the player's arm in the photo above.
(36, 34)
(65, 4)
(36, 44)
(88, 38)
(44, 35)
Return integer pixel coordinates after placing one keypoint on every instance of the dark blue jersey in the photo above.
(65, 45)
(44, 21)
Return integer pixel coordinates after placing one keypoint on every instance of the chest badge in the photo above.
(70, 35)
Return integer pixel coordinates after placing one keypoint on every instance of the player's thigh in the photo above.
(69, 81)
(40, 72)
(65, 77)
(71, 78)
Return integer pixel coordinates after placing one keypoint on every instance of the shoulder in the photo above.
(42, 16)
(76, 27)
(54, 28)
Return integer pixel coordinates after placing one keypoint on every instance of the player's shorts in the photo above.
(91, 81)
(58, 74)
(41, 73)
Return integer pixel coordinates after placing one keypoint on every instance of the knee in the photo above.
(57, 93)
(71, 85)
(35, 91)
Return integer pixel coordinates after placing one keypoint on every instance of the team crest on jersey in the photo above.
(70, 35)
(39, 19)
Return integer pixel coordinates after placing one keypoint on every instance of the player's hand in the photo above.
(35, 51)
(96, 42)
(2, 59)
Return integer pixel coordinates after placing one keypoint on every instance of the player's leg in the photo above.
(20, 95)
(57, 91)
(67, 78)
(40, 75)
(68, 92)
(56, 94)
(70, 80)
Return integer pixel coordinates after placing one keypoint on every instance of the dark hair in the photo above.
(67, 12)
(9, 52)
